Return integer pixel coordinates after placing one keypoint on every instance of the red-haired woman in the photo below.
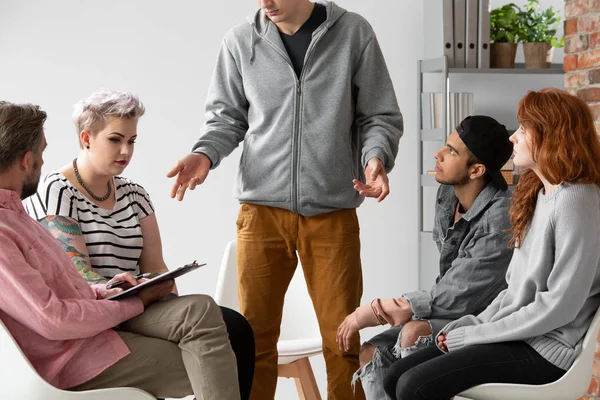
(533, 330)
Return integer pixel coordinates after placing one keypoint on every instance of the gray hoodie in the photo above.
(304, 139)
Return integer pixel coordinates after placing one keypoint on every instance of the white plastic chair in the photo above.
(19, 380)
(572, 385)
(300, 337)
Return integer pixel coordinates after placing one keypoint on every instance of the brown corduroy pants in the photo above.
(269, 242)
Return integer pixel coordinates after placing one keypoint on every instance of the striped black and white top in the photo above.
(113, 237)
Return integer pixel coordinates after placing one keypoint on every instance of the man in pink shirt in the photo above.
(67, 329)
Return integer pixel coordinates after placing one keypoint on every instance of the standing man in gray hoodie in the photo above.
(306, 89)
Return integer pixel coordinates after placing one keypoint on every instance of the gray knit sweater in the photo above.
(553, 281)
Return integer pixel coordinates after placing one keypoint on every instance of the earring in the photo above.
(87, 147)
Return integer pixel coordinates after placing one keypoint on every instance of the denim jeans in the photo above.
(431, 374)
(387, 352)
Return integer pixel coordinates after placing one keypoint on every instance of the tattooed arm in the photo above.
(67, 231)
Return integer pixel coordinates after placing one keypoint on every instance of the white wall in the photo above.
(56, 53)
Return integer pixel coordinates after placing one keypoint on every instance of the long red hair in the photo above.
(565, 148)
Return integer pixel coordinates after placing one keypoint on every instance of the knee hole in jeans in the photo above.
(412, 331)
(367, 351)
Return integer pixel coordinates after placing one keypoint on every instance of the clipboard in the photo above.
(158, 279)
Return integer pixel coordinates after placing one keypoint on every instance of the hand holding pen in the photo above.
(113, 284)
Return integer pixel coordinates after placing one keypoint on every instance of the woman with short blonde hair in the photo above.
(107, 225)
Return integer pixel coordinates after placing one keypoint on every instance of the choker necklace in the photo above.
(83, 185)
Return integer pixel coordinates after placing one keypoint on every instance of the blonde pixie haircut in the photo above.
(90, 114)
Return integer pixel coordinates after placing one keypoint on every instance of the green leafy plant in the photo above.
(537, 25)
(504, 24)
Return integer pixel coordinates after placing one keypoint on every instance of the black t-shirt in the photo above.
(297, 44)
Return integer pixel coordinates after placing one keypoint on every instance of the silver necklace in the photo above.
(87, 189)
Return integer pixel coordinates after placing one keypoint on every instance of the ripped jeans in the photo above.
(387, 351)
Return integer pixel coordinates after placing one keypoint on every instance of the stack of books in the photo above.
(460, 107)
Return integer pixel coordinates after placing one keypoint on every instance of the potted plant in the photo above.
(504, 30)
(538, 33)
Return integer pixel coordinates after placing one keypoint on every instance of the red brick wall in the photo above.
(582, 59)
(582, 77)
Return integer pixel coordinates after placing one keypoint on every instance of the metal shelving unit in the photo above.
(455, 80)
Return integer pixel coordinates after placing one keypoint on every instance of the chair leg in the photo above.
(304, 378)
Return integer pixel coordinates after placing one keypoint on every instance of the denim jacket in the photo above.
(474, 257)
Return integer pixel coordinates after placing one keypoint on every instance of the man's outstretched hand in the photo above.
(377, 183)
(190, 171)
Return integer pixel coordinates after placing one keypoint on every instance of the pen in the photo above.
(119, 283)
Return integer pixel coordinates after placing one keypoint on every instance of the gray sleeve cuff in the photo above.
(437, 325)
(455, 339)
(376, 153)
(209, 152)
(420, 303)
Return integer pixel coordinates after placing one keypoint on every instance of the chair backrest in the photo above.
(19, 380)
(573, 384)
(299, 320)
(17, 374)
(580, 373)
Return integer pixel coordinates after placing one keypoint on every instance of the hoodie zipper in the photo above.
(295, 150)
(296, 131)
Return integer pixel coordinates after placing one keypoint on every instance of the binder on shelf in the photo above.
(448, 31)
(471, 29)
(483, 34)
(460, 13)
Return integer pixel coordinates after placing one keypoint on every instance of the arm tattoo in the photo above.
(66, 230)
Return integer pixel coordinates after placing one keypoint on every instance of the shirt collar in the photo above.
(482, 201)
(448, 202)
(9, 199)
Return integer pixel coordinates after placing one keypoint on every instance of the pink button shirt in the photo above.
(51, 311)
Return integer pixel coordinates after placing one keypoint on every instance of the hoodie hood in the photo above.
(261, 23)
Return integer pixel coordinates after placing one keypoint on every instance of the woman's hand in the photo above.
(346, 332)
(441, 344)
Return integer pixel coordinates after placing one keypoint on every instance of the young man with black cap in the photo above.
(470, 230)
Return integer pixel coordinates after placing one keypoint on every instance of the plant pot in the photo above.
(502, 55)
(538, 55)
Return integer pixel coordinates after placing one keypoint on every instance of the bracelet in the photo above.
(380, 320)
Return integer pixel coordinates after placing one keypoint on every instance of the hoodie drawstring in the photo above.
(254, 38)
